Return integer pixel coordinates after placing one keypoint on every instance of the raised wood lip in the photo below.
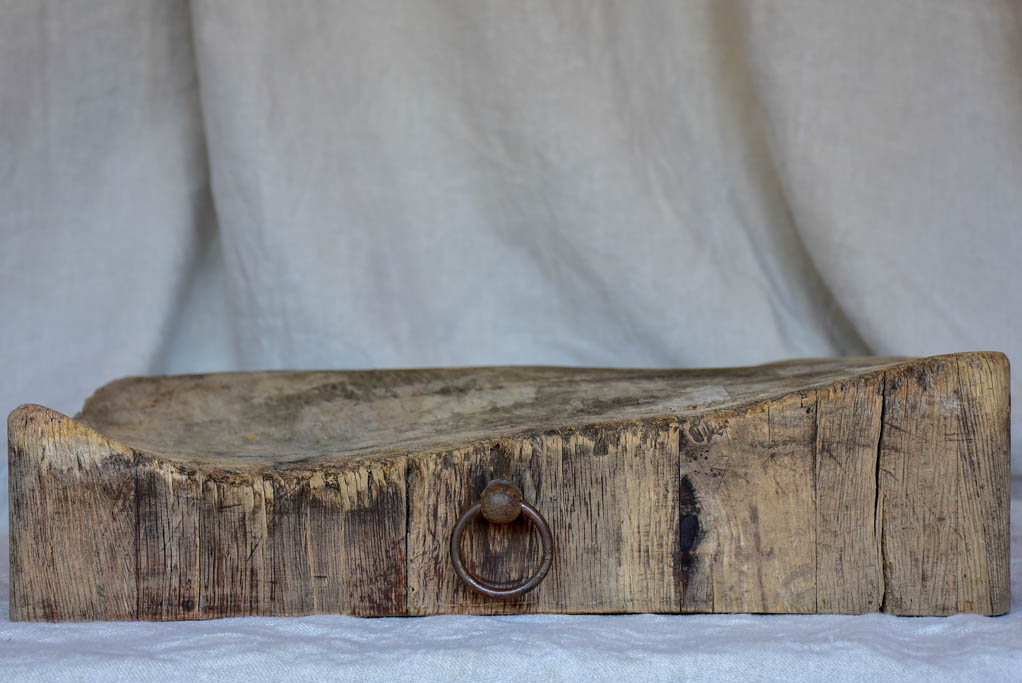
(870, 365)
(893, 360)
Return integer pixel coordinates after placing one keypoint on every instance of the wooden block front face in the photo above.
(842, 499)
(167, 537)
(944, 487)
(277, 544)
(72, 497)
(358, 566)
(752, 475)
(849, 576)
(882, 490)
(610, 498)
(726, 524)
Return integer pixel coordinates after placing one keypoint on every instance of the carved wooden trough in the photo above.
(851, 485)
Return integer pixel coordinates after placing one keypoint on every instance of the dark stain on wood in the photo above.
(688, 536)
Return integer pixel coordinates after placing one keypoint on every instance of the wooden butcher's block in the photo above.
(846, 485)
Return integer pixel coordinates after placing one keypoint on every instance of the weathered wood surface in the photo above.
(850, 485)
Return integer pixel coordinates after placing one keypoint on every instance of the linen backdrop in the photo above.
(202, 186)
(223, 185)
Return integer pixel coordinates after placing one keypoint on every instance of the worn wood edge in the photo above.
(51, 459)
(65, 461)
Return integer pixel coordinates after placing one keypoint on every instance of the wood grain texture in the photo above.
(752, 473)
(72, 508)
(846, 485)
(609, 495)
(849, 575)
(946, 433)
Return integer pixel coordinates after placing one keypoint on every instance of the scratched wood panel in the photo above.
(944, 486)
(296, 542)
(233, 544)
(501, 553)
(356, 538)
(72, 507)
(167, 541)
(984, 482)
(609, 495)
(849, 575)
(751, 472)
(810, 486)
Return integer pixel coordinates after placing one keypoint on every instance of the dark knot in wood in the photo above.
(501, 502)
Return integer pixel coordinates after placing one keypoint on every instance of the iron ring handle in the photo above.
(500, 503)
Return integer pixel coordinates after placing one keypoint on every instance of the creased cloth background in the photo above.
(237, 185)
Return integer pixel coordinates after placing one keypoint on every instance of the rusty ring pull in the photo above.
(500, 503)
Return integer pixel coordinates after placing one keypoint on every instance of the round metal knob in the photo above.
(501, 503)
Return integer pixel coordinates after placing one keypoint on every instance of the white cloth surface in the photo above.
(201, 186)
(641, 647)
